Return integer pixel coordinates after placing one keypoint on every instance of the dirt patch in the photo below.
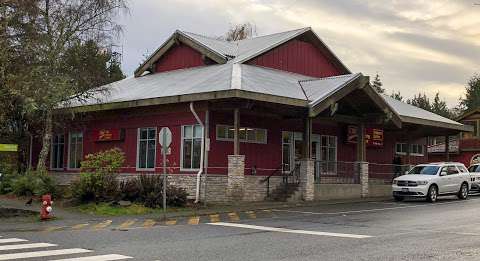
(16, 213)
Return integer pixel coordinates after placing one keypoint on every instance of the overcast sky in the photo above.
(414, 45)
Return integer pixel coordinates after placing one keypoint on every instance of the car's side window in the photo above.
(462, 169)
(451, 170)
(444, 170)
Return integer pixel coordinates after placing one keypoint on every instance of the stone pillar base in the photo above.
(236, 177)
(307, 172)
(363, 174)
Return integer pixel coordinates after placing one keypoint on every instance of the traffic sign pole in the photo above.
(165, 139)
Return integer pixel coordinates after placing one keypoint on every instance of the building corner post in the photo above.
(363, 173)
(236, 177)
(307, 185)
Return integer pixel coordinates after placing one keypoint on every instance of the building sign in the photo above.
(108, 135)
(440, 147)
(373, 136)
(9, 147)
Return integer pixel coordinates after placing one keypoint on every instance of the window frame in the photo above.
(137, 166)
(401, 145)
(182, 138)
(70, 134)
(245, 140)
(63, 151)
(416, 153)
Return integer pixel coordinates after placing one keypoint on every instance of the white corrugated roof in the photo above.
(318, 90)
(407, 110)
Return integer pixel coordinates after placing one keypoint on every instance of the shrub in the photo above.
(150, 189)
(98, 180)
(129, 190)
(176, 197)
(6, 182)
(26, 185)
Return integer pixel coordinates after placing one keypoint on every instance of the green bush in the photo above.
(150, 190)
(98, 180)
(6, 182)
(35, 184)
(129, 190)
(176, 197)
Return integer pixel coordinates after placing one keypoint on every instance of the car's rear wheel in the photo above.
(432, 194)
(463, 193)
(398, 198)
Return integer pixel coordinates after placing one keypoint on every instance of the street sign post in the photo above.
(165, 139)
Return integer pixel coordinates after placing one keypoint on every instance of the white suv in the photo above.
(431, 180)
(474, 170)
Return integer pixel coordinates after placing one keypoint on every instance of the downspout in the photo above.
(200, 171)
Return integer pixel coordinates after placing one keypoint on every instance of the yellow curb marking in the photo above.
(193, 220)
(127, 224)
(149, 223)
(103, 224)
(171, 222)
(233, 216)
(214, 218)
(251, 214)
(79, 226)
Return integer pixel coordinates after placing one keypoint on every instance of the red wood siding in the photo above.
(266, 157)
(179, 57)
(298, 57)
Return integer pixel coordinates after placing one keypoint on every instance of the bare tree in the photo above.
(240, 32)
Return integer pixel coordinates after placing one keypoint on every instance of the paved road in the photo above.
(447, 230)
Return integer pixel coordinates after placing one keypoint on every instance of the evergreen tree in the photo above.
(440, 107)
(377, 84)
(472, 96)
(397, 96)
(420, 101)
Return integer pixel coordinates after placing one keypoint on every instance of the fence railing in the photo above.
(337, 172)
(379, 173)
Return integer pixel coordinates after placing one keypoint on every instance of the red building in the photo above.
(275, 106)
(465, 147)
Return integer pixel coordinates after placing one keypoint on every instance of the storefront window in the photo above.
(191, 146)
(146, 148)
(56, 156)
(75, 150)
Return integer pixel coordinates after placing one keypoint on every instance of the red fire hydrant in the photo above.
(46, 211)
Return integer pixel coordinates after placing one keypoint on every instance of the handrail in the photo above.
(285, 176)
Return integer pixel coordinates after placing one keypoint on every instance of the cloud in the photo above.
(413, 44)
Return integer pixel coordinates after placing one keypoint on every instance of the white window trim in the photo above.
(137, 168)
(417, 154)
(181, 147)
(241, 140)
(410, 149)
(51, 153)
(69, 146)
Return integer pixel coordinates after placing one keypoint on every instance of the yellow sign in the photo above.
(9, 147)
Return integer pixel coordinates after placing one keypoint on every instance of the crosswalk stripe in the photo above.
(127, 224)
(58, 252)
(193, 220)
(214, 218)
(12, 240)
(96, 258)
(149, 223)
(79, 226)
(25, 246)
(103, 224)
(233, 216)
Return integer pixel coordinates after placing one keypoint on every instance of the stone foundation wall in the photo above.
(256, 187)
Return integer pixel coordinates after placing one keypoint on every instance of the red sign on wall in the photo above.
(373, 136)
(107, 135)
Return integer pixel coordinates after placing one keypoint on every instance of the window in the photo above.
(146, 148)
(246, 134)
(328, 153)
(191, 146)
(451, 170)
(56, 156)
(401, 148)
(462, 168)
(75, 150)
(416, 149)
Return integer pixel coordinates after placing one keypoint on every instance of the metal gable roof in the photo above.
(221, 46)
(319, 89)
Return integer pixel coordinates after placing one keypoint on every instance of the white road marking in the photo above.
(25, 246)
(96, 258)
(286, 230)
(45, 253)
(367, 210)
(12, 240)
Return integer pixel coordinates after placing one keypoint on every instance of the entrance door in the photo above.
(316, 154)
(292, 145)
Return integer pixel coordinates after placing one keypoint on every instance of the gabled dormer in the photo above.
(299, 51)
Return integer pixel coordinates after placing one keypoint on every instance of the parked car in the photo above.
(474, 170)
(432, 180)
